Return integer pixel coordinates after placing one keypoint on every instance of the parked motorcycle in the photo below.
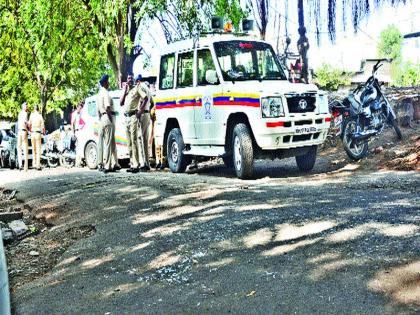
(67, 149)
(362, 115)
(50, 153)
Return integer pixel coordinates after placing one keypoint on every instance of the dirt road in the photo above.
(158, 243)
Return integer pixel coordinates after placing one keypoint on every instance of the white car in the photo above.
(87, 136)
(227, 96)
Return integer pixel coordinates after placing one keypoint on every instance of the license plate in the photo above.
(304, 130)
(337, 124)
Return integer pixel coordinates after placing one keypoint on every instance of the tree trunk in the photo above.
(301, 14)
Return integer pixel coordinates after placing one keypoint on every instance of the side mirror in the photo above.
(211, 77)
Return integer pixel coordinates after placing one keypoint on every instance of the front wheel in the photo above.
(52, 162)
(356, 150)
(91, 155)
(397, 129)
(176, 158)
(307, 161)
(243, 152)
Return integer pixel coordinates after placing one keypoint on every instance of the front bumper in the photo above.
(291, 132)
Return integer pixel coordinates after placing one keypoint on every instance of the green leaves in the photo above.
(390, 43)
(330, 78)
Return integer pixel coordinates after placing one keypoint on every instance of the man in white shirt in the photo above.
(77, 123)
(22, 141)
(36, 124)
(107, 153)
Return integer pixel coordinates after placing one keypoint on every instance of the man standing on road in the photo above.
(143, 115)
(131, 99)
(36, 124)
(22, 141)
(77, 123)
(106, 143)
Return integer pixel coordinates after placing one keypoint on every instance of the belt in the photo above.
(146, 111)
(101, 114)
(130, 113)
(37, 131)
(23, 130)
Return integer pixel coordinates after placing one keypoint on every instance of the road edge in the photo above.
(4, 282)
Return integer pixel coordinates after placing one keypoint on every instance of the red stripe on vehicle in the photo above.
(328, 119)
(275, 124)
(248, 104)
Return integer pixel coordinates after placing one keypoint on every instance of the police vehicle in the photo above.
(226, 95)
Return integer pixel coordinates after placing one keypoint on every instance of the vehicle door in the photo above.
(207, 117)
(186, 95)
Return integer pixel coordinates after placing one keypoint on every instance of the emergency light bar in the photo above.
(247, 25)
(217, 23)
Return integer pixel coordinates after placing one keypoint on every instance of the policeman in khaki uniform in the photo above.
(22, 141)
(107, 155)
(145, 124)
(36, 123)
(131, 99)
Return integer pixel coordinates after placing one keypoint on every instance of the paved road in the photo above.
(343, 242)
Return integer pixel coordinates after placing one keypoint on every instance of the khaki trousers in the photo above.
(22, 144)
(131, 130)
(36, 149)
(146, 129)
(106, 145)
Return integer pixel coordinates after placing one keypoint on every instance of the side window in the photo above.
(185, 69)
(91, 107)
(204, 63)
(166, 75)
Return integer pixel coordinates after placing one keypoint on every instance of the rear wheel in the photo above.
(307, 161)
(53, 162)
(356, 150)
(11, 162)
(91, 155)
(175, 147)
(243, 151)
(397, 129)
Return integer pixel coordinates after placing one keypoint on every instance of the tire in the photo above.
(243, 152)
(53, 162)
(397, 129)
(11, 162)
(91, 155)
(66, 162)
(177, 160)
(355, 151)
(306, 162)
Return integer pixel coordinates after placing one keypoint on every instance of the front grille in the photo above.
(303, 103)
(302, 138)
(303, 122)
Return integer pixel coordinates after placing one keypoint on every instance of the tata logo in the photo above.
(303, 104)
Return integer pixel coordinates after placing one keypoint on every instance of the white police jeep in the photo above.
(226, 96)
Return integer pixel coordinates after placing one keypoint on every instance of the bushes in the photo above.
(329, 78)
(406, 74)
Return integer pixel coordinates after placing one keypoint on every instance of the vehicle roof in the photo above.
(205, 41)
(113, 94)
(4, 125)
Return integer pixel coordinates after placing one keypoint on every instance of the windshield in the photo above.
(247, 60)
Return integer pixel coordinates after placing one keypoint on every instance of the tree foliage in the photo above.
(48, 55)
(390, 43)
(330, 78)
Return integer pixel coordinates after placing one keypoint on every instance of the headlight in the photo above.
(322, 104)
(272, 107)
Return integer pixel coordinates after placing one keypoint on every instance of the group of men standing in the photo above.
(34, 125)
(136, 100)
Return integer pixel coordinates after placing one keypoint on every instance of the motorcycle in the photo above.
(50, 154)
(67, 149)
(362, 115)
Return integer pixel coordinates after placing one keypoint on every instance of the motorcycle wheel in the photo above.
(397, 129)
(53, 162)
(66, 162)
(355, 151)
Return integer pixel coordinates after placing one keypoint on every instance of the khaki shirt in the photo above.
(22, 120)
(36, 121)
(103, 102)
(148, 94)
(133, 99)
